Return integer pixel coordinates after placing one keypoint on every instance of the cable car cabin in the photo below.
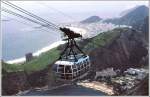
(71, 65)
(70, 70)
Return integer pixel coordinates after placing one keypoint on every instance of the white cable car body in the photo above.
(68, 70)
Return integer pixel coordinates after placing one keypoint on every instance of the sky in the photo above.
(57, 11)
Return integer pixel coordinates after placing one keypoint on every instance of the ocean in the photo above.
(19, 39)
(69, 90)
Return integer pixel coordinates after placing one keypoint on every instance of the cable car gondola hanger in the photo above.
(71, 44)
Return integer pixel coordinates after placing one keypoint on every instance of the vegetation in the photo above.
(102, 39)
(11, 67)
(36, 64)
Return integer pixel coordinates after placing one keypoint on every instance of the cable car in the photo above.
(71, 65)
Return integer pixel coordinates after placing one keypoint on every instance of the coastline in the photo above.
(66, 90)
(36, 53)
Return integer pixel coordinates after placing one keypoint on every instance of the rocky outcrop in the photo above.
(14, 82)
(38, 78)
(125, 51)
(141, 89)
(143, 25)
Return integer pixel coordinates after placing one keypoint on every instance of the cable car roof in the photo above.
(72, 58)
(71, 61)
(64, 63)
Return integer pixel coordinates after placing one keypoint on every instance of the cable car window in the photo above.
(61, 68)
(75, 74)
(88, 67)
(73, 66)
(78, 66)
(82, 71)
(68, 76)
(62, 76)
(82, 65)
(79, 70)
(68, 69)
(74, 70)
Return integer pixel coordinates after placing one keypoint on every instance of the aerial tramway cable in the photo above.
(49, 24)
(28, 19)
(24, 23)
(26, 12)
(21, 16)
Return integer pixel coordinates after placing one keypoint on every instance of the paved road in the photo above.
(70, 90)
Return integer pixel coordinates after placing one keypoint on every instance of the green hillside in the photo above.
(102, 39)
(36, 64)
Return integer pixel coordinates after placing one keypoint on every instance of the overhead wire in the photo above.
(27, 24)
(26, 18)
(21, 16)
(30, 14)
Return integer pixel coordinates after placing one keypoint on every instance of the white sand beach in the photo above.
(37, 53)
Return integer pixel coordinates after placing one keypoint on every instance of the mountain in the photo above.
(91, 19)
(128, 49)
(143, 25)
(123, 13)
(130, 17)
(141, 89)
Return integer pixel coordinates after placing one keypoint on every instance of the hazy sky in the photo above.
(76, 10)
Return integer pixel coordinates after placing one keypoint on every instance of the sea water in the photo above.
(18, 40)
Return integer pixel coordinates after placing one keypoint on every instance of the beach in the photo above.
(99, 86)
(37, 53)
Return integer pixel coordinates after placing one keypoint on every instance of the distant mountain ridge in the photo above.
(130, 17)
(123, 13)
(91, 19)
(143, 25)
